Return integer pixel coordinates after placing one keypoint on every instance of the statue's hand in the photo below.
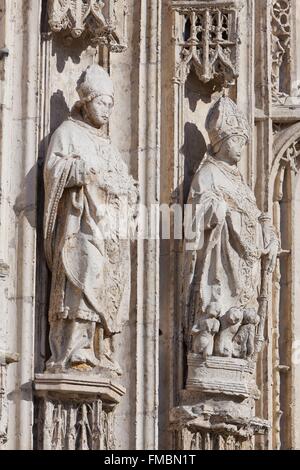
(271, 255)
(90, 176)
(220, 211)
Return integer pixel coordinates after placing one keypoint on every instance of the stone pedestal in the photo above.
(75, 412)
(225, 375)
(217, 408)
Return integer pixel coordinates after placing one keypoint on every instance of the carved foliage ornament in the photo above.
(74, 425)
(281, 43)
(291, 156)
(210, 40)
(103, 22)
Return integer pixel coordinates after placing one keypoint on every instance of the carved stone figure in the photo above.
(230, 324)
(231, 238)
(204, 330)
(89, 200)
(244, 340)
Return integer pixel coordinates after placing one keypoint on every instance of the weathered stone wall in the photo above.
(158, 126)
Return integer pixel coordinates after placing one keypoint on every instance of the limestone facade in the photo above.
(174, 374)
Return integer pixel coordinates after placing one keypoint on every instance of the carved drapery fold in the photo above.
(209, 40)
(103, 22)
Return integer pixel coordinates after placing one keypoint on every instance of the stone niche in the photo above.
(216, 394)
(90, 407)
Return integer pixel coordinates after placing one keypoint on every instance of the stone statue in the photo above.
(204, 330)
(244, 340)
(230, 323)
(89, 200)
(233, 248)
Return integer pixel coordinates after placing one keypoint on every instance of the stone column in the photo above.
(148, 249)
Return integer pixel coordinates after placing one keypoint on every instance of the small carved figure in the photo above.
(244, 340)
(204, 330)
(230, 323)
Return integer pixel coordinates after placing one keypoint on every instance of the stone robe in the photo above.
(223, 257)
(86, 252)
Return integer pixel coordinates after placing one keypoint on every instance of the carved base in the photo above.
(193, 439)
(75, 412)
(213, 424)
(217, 409)
(225, 375)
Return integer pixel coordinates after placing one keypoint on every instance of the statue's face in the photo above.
(231, 149)
(99, 110)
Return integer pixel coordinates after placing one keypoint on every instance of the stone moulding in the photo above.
(102, 22)
(76, 384)
(209, 40)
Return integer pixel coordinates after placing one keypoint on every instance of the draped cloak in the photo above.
(86, 219)
(223, 242)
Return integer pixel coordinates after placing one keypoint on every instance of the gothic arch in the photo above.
(283, 141)
(285, 192)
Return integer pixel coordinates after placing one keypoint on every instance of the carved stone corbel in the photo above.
(75, 412)
(102, 22)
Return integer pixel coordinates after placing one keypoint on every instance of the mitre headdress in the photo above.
(94, 82)
(225, 120)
